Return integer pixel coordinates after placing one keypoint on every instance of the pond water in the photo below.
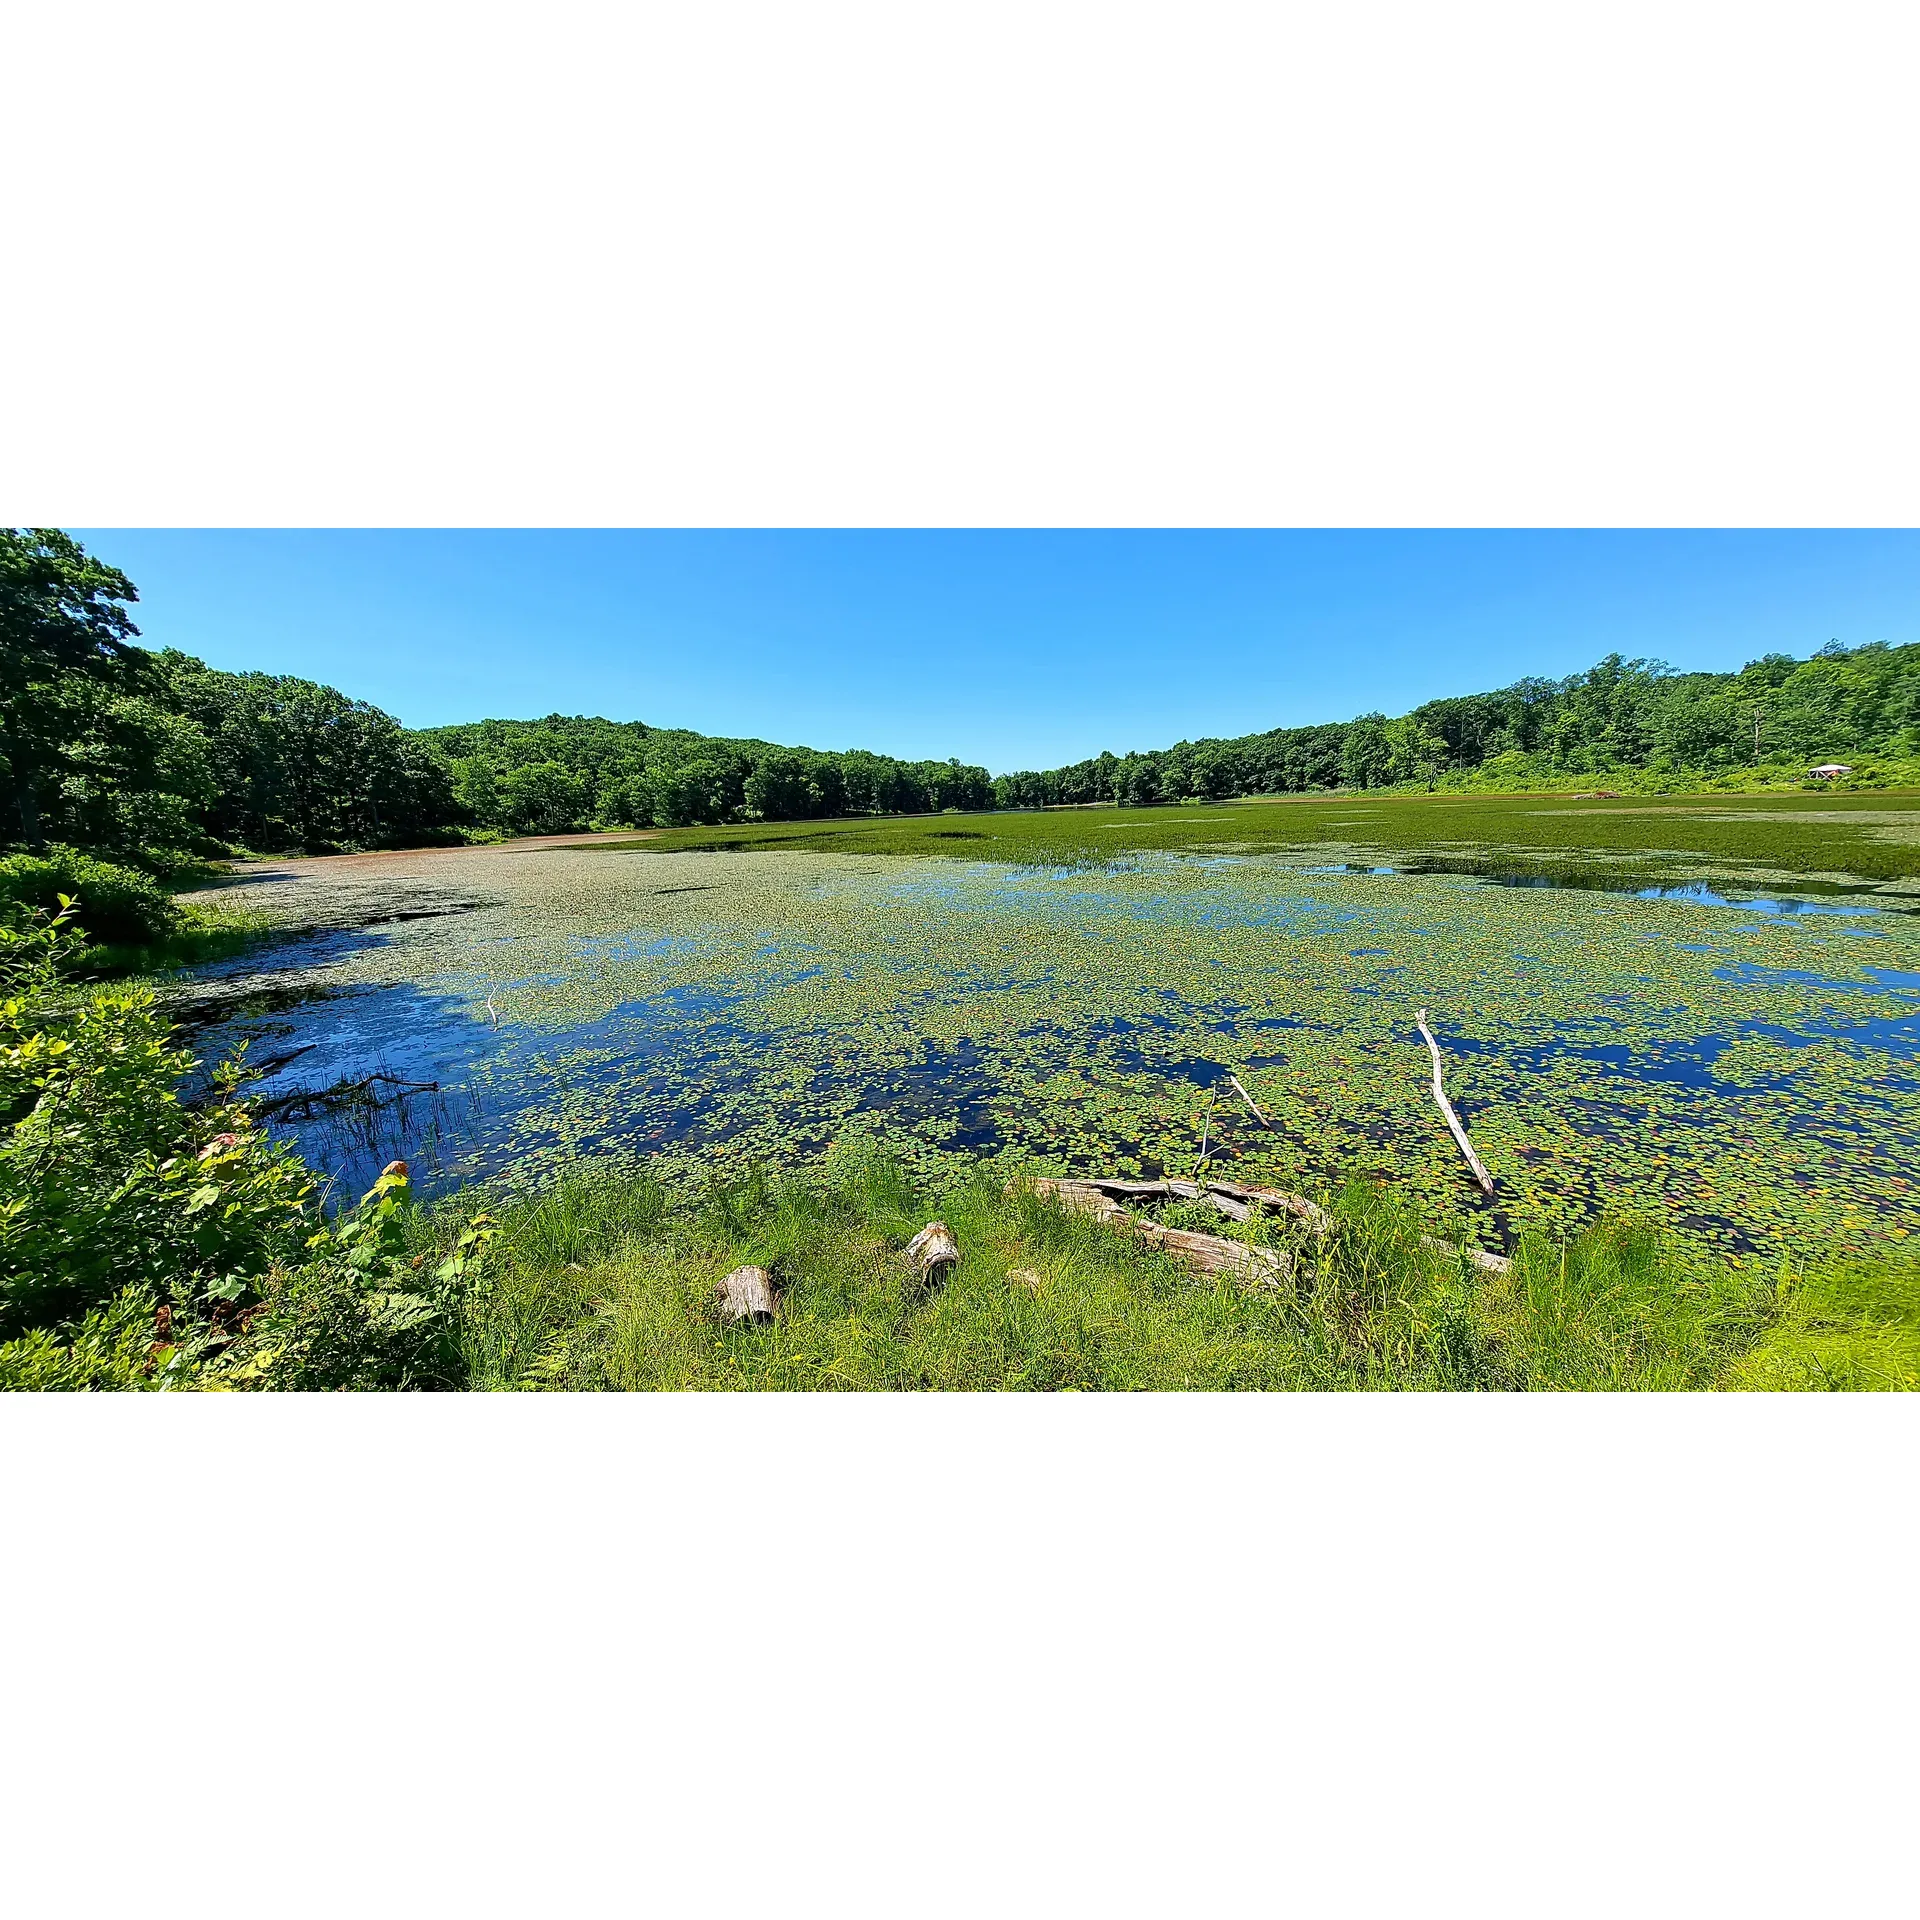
(1751, 1067)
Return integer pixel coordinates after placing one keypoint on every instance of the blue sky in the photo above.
(1015, 649)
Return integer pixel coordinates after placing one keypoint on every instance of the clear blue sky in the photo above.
(1011, 650)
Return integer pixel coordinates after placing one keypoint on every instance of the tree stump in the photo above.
(933, 1252)
(747, 1294)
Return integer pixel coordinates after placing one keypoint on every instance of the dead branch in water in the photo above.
(1446, 1107)
(1248, 1098)
(273, 1062)
(313, 1098)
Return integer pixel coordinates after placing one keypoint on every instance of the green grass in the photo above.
(1873, 836)
(207, 930)
(606, 1282)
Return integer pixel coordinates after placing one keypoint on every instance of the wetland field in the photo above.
(1703, 1014)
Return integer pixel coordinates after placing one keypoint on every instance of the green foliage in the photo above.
(564, 772)
(110, 903)
(370, 1306)
(112, 1349)
(147, 1243)
(295, 765)
(71, 681)
(541, 798)
(107, 1180)
(1576, 838)
(1849, 1325)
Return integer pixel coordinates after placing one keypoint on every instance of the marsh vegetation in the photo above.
(1682, 1027)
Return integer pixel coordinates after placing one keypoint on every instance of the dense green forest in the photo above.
(1620, 716)
(552, 775)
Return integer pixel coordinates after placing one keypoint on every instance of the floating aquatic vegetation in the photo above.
(1749, 1072)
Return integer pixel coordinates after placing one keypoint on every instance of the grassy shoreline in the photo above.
(606, 1283)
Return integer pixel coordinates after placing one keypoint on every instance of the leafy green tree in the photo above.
(1366, 757)
(65, 638)
(543, 798)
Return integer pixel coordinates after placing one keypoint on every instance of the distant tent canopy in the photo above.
(1831, 771)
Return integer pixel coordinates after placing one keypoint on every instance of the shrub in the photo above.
(117, 906)
(364, 1310)
(108, 1181)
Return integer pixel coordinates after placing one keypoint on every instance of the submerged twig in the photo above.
(259, 1069)
(312, 1097)
(1446, 1107)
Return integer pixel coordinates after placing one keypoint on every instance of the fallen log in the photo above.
(933, 1252)
(1207, 1251)
(1095, 1196)
(1276, 1202)
(746, 1294)
(1446, 1107)
(1213, 1254)
(1486, 1262)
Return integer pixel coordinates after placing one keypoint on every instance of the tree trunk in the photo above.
(747, 1294)
(933, 1252)
(29, 806)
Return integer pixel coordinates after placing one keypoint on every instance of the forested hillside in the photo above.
(1620, 716)
(545, 776)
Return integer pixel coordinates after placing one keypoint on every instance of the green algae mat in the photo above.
(1748, 1068)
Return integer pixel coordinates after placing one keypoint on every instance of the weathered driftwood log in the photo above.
(1207, 1251)
(933, 1252)
(746, 1294)
(1486, 1262)
(1098, 1198)
(1446, 1107)
(1215, 1192)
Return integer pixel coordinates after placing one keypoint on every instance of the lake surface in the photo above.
(1749, 1067)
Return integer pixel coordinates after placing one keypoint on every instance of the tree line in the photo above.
(1619, 716)
(556, 774)
(155, 758)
